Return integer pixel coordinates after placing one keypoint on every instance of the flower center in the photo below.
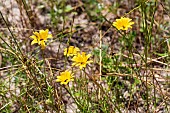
(82, 63)
(65, 80)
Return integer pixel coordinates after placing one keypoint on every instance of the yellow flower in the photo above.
(123, 23)
(81, 60)
(71, 51)
(65, 77)
(40, 38)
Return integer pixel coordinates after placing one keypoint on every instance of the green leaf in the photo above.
(68, 8)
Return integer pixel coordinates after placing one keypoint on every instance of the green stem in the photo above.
(11, 34)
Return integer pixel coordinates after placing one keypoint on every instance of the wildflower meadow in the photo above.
(84, 56)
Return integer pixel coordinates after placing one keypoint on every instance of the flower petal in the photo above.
(34, 41)
(42, 43)
(33, 37)
(36, 34)
(49, 36)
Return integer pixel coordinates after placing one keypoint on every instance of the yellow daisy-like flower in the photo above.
(71, 51)
(40, 38)
(65, 77)
(123, 23)
(81, 60)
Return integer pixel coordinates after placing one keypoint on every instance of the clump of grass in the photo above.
(99, 80)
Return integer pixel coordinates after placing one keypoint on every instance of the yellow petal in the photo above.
(81, 67)
(46, 31)
(58, 80)
(43, 45)
(43, 34)
(41, 31)
(74, 58)
(65, 51)
(73, 64)
(88, 62)
(36, 34)
(49, 36)
(34, 41)
(88, 56)
(33, 37)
